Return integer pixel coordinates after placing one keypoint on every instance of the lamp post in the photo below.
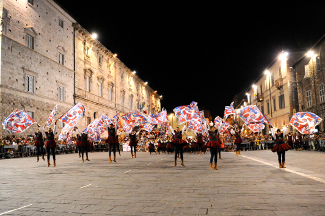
(311, 55)
(268, 74)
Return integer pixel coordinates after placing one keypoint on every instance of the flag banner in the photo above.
(95, 129)
(50, 120)
(229, 110)
(148, 127)
(18, 122)
(252, 115)
(305, 122)
(71, 117)
(107, 120)
(65, 131)
(256, 127)
(218, 122)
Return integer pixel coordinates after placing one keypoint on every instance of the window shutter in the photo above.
(31, 84)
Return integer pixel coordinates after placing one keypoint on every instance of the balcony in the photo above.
(279, 83)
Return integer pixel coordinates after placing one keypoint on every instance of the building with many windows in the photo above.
(274, 92)
(48, 59)
(310, 73)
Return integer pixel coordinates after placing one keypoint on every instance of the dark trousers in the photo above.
(199, 146)
(40, 150)
(282, 155)
(214, 154)
(84, 149)
(49, 150)
(178, 150)
(117, 146)
(133, 148)
(112, 146)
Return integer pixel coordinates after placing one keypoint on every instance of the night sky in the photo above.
(203, 52)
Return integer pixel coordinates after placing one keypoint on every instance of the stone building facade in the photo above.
(104, 84)
(274, 92)
(48, 59)
(36, 59)
(310, 73)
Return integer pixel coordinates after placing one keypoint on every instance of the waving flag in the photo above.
(252, 115)
(218, 122)
(224, 128)
(65, 131)
(140, 118)
(95, 129)
(256, 127)
(148, 127)
(107, 120)
(17, 122)
(185, 113)
(229, 110)
(162, 117)
(305, 122)
(49, 121)
(72, 116)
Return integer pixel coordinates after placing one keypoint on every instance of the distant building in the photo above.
(48, 59)
(310, 73)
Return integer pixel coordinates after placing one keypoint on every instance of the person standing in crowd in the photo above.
(199, 142)
(84, 146)
(50, 144)
(290, 140)
(133, 143)
(111, 141)
(178, 143)
(238, 139)
(39, 142)
(280, 146)
(213, 144)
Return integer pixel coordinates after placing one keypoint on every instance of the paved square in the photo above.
(250, 184)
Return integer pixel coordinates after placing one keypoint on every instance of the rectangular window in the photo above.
(281, 102)
(268, 107)
(308, 95)
(88, 84)
(318, 63)
(261, 87)
(280, 73)
(61, 59)
(31, 2)
(31, 114)
(61, 93)
(110, 93)
(62, 124)
(306, 70)
(274, 104)
(61, 23)
(100, 89)
(30, 41)
(272, 79)
(88, 120)
(262, 109)
(30, 84)
(321, 93)
(100, 60)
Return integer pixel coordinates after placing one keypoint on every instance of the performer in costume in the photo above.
(84, 146)
(39, 142)
(111, 141)
(77, 133)
(214, 144)
(280, 146)
(290, 140)
(133, 143)
(151, 146)
(199, 142)
(160, 146)
(50, 145)
(169, 146)
(178, 145)
(238, 139)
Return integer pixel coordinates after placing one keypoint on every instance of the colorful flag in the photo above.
(305, 122)
(252, 115)
(71, 117)
(49, 121)
(17, 122)
(229, 110)
(256, 127)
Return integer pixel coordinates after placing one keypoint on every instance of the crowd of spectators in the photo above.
(13, 146)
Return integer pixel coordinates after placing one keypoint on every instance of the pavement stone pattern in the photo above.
(151, 185)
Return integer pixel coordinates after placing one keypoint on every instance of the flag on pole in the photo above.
(18, 122)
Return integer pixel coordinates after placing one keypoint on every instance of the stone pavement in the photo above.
(250, 184)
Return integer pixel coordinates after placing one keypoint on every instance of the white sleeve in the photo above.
(285, 131)
(54, 130)
(273, 133)
(232, 131)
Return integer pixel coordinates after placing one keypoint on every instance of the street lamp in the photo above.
(94, 36)
(268, 75)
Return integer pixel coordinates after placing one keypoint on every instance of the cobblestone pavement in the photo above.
(251, 184)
